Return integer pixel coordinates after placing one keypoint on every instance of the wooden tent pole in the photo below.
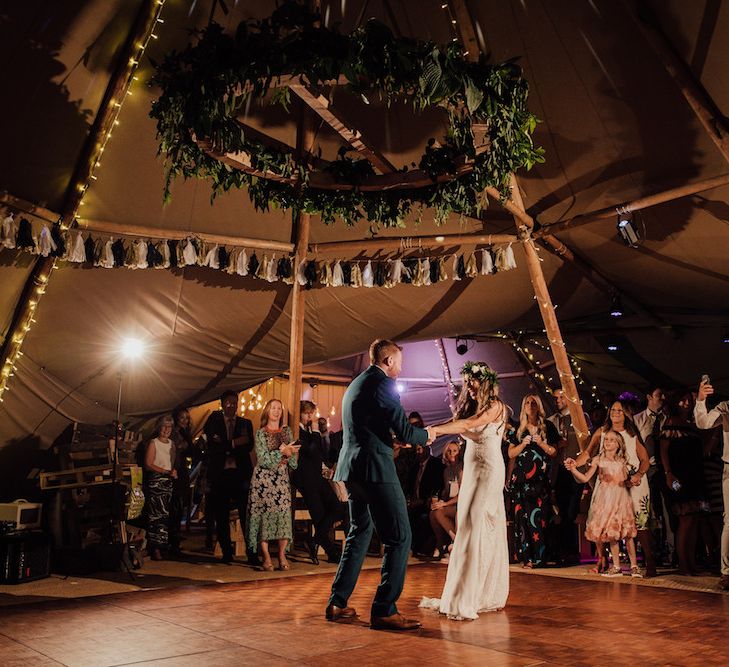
(554, 335)
(525, 224)
(301, 226)
(635, 204)
(35, 285)
(411, 243)
(706, 110)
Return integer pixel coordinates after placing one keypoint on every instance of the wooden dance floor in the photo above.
(548, 621)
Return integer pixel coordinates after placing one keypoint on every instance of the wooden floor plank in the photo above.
(547, 621)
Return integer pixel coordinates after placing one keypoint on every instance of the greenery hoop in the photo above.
(206, 86)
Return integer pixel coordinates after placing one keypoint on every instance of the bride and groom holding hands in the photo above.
(478, 574)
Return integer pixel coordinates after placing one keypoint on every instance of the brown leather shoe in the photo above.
(395, 622)
(334, 613)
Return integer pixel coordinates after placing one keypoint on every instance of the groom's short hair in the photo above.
(381, 349)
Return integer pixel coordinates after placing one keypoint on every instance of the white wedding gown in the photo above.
(478, 571)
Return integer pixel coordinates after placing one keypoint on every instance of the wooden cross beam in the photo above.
(320, 105)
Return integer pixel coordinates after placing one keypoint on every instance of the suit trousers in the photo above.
(381, 507)
(324, 509)
(230, 489)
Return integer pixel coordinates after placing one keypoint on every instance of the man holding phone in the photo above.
(709, 419)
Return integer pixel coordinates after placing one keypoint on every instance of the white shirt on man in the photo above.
(710, 418)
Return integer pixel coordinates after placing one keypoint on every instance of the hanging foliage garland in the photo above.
(208, 85)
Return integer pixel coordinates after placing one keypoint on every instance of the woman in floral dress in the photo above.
(269, 501)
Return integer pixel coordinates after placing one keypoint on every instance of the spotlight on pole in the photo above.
(461, 346)
(627, 229)
(616, 309)
(132, 348)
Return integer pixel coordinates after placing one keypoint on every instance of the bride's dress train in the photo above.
(478, 571)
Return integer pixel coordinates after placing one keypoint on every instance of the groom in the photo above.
(371, 413)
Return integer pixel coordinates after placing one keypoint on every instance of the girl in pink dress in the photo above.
(611, 517)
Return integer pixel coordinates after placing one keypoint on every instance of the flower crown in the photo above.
(479, 370)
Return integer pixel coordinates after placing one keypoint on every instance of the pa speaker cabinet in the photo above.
(24, 556)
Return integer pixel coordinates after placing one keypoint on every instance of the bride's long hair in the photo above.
(486, 395)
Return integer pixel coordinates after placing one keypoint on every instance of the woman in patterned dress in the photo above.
(269, 501)
(534, 446)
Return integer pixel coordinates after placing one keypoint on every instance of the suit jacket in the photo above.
(371, 413)
(219, 447)
(335, 446)
(308, 472)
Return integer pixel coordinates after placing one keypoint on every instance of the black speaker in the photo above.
(24, 556)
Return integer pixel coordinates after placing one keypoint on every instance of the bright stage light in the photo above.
(132, 348)
(400, 387)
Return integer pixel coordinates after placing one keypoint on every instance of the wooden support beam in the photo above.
(706, 110)
(35, 285)
(320, 105)
(301, 227)
(123, 229)
(554, 335)
(634, 205)
(412, 243)
(23, 206)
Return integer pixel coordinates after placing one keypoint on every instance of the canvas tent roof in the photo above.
(615, 127)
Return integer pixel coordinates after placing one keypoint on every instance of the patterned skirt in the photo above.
(269, 506)
(157, 494)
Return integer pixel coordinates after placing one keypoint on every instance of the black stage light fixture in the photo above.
(461, 346)
(627, 229)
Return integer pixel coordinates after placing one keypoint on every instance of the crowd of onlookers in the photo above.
(651, 474)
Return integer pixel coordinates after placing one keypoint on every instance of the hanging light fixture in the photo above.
(616, 308)
(461, 345)
(626, 228)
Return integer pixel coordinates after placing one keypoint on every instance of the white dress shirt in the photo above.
(710, 418)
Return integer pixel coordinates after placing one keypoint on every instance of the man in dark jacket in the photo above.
(229, 446)
(319, 497)
(371, 413)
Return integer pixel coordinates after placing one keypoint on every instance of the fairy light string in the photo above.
(38, 288)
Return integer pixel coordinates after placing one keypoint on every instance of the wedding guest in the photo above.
(681, 451)
(331, 443)
(535, 445)
(443, 509)
(269, 501)
(705, 419)
(619, 420)
(611, 517)
(711, 524)
(229, 446)
(180, 501)
(567, 489)
(321, 501)
(426, 482)
(650, 422)
(159, 474)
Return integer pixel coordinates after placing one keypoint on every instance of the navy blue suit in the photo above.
(371, 413)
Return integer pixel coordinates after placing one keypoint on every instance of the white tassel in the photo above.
(77, 252)
(141, 251)
(395, 273)
(46, 244)
(426, 271)
(9, 231)
(165, 255)
(487, 264)
(271, 270)
(107, 258)
(455, 268)
(189, 254)
(338, 275)
(300, 273)
(211, 258)
(368, 276)
(241, 265)
(509, 259)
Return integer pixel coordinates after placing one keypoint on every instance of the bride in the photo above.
(478, 571)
